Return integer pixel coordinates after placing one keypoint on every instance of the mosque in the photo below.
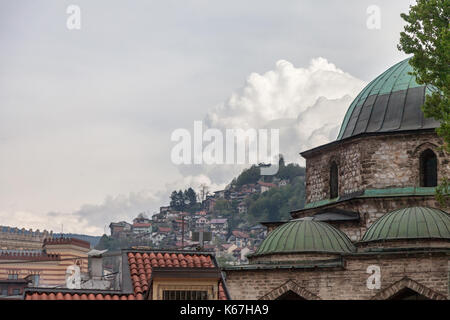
(371, 227)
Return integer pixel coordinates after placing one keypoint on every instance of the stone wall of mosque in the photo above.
(426, 274)
(348, 160)
(373, 162)
(290, 257)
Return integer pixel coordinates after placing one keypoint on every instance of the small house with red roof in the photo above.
(154, 275)
(265, 186)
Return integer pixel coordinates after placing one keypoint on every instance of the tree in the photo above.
(174, 200)
(427, 37)
(204, 192)
(248, 176)
(191, 196)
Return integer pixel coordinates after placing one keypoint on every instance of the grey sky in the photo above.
(86, 115)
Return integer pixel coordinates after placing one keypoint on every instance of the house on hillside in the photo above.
(120, 229)
(266, 186)
(219, 225)
(242, 207)
(239, 238)
(164, 209)
(219, 194)
(202, 222)
(141, 218)
(209, 204)
(142, 227)
(165, 230)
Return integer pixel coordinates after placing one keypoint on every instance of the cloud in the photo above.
(306, 104)
(92, 219)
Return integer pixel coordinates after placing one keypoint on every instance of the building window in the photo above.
(184, 295)
(13, 276)
(334, 180)
(428, 169)
(16, 292)
(4, 291)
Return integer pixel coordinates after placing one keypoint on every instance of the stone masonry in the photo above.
(386, 161)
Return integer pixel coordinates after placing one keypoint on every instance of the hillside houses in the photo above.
(231, 235)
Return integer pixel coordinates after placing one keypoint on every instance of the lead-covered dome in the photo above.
(410, 223)
(304, 235)
(391, 102)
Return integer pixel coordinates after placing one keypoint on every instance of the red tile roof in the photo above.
(267, 184)
(141, 225)
(88, 295)
(240, 234)
(141, 264)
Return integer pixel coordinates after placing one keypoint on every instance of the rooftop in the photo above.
(143, 263)
(305, 235)
(77, 294)
(410, 223)
(391, 102)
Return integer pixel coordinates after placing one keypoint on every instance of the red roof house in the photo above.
(152, 275)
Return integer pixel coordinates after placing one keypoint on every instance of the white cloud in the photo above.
(90, 219)
(306, 104)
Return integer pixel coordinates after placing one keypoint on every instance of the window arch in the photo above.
(334, 180)
(428, 169)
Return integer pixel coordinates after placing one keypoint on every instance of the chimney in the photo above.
(96, 263)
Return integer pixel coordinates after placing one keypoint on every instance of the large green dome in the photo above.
(304, 235)
(391, 102)
(410, 223)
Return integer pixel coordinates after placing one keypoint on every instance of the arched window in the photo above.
(428, 169)
(334, 180)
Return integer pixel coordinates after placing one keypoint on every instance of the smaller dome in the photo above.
(305, 235)
(410, 223)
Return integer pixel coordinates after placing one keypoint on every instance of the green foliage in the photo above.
(443, 193)
(191, 196)
(290, 171)
(427, 37)
(184, 200)
(277, 203)
(223, 208)
(249, 176)
(253, 174)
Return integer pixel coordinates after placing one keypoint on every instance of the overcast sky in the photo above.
(86, 115)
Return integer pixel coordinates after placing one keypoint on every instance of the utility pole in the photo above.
(182, 231)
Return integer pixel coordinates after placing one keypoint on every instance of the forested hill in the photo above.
(276, 203)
